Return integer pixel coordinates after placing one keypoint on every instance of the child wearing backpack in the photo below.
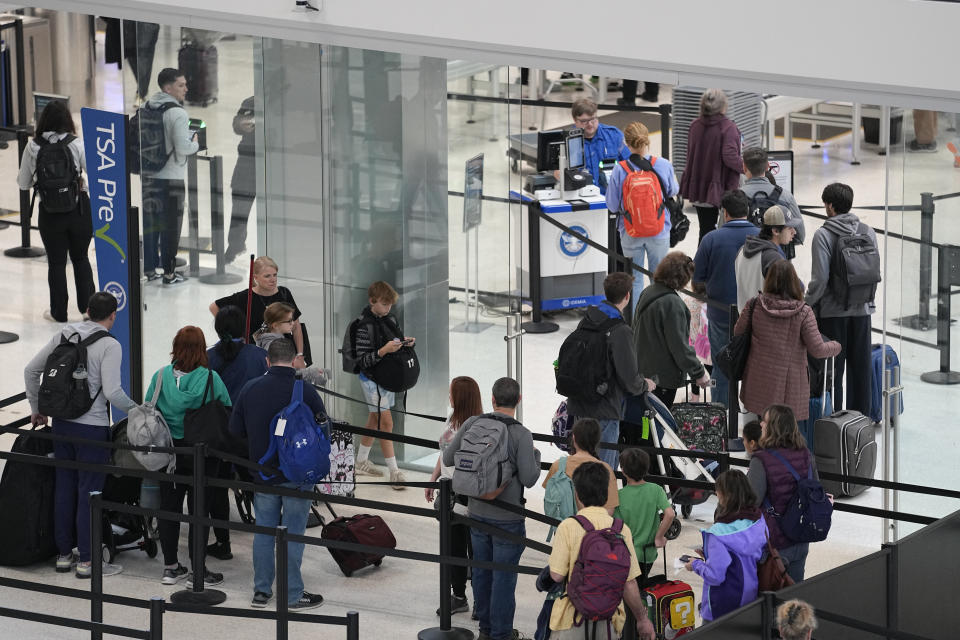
(594, 553)
(370, 347)
(558, 500)
(640, 505)
(732, 547)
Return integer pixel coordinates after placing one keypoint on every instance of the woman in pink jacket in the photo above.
(784, 331)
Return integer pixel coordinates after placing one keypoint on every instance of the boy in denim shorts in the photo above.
(382, 298)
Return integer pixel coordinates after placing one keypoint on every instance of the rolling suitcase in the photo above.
(883, 358)
(199, 66)
(671, 607)
(362, 529)
(26, 501)
(845, 442)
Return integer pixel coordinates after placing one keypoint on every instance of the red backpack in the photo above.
(643, 203)
(596, 584)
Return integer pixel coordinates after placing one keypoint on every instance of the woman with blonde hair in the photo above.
(264, 292)
(714, 160)
(796, 620)
(641, 239)
(279, 320)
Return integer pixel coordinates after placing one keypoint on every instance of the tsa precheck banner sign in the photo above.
(105, 150)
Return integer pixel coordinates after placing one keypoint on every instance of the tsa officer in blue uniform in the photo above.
(600, 141)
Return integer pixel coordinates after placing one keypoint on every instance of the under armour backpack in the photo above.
(583, 366)
(643, 199)
(64, 389)
(596, 583)
(298, 442)
(481, 466)
(809, 512)
(760, 202)
(558, 498)
(58, 176)
(147, 140)
(854, 268)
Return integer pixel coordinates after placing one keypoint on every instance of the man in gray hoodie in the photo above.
(847, 324)
(163, 191)
(759, 252)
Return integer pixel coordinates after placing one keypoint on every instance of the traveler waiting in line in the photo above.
(796, 620)
(584, 439)
(602, 143)
(771, 480)
(651, 93)
(713, 160)
(278, 322)
(373, 341)
(243, 182)
(265, 291)
(843, 311)
(783, 331)
(466, 402)
(183, 384)
(756, 165)
(260, 400)
(641, 504)
(591, 484)
(758, 253)
(714, 267)
(71, 522)
(648, 231)
(64, 219)
(661, 330)
(604, 402)
(751, 437)
(164, 190)
(732, 547)
(494, 592)
(236, 363)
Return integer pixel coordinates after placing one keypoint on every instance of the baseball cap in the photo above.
(773, 217)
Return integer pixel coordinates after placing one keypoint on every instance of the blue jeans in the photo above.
(795, 557)
(653, 248)
(719, 333)
(494, 592)
(267, 508)
(609, 432)
(71, 524)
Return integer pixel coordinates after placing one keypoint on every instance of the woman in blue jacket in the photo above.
(731, 548)
(655, 246)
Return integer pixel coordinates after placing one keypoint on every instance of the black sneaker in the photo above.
(153, 275)
(623, 102)
(174, 278)
(650, 97)
(307, 601)
(210, 579)
(173, 576)
(457, 604)
(915, 146)
(261, 600)
(219, 550)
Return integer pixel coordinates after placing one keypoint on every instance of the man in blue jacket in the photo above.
(600, 141)
(260, 400)
(715, 268)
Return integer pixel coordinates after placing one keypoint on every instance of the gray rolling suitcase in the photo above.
(845, 442)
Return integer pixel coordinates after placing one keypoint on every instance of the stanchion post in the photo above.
(217, 226)
(733, 395)
(767, 617)
(537, 324)
(353, 625)
(21, 73)
(926, 255)
(946, 255)
(665, 115)
(156, 618)
(193, 207)
(283, 595)
(96, 562)
(26, 211)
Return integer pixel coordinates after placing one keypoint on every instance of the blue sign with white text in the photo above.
(105, 148)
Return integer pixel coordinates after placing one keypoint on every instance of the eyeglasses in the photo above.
(587, 120)
(290, 321)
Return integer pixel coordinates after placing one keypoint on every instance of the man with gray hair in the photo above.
(494, 591)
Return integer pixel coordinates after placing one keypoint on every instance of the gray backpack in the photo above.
(481, 466)
(146, 427)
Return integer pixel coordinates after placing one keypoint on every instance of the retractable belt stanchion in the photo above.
(26, 212)
(283, 592)
(949, 260)
(156, 618)
(193, 213)
(666, 111)
(217, 225)
(537, 323)
(96, 562)
(922, 320)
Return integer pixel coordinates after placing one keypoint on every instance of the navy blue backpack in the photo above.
(299, 442)
(809, 512)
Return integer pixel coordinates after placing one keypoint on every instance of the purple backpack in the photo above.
(596, 584)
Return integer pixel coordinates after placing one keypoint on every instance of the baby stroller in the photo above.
(125, 531)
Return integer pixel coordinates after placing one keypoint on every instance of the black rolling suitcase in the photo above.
(26, 502)
(199, 66)
(845, 442)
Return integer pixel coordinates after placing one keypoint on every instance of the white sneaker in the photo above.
(397, 476)
(367, 468)
(49, 316)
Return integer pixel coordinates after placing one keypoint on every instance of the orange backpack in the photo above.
(643, 203)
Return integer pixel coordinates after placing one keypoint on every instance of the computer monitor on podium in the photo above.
(575, 158)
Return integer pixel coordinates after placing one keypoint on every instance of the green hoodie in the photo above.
(176, 396)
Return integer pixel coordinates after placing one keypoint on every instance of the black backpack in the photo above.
(64, 389)
(397, 371)
(26, 501)
(146, 139)
(854, 268)
(760, 202)
(583, 366)
(58, 177)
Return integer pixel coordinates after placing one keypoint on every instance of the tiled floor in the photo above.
(398, 599)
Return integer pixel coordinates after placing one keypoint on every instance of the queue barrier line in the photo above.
(86, 625)
(6, 402)
(523, 102)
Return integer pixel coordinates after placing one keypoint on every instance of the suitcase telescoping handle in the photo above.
(823, 400)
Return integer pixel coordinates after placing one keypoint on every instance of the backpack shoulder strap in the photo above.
(793, 472)
(777, 192)
(297, 394)
(626, 166)
(562, 465)
(67, 140)
(617, 525)
(208, 388)
(156, 388)
(89, 340)
(506, 420)
(587, 526)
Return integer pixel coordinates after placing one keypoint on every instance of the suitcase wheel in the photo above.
(686, 510)
(674, 531)
(151, 548)
(346, 572)
(108, 554)
(378, 562)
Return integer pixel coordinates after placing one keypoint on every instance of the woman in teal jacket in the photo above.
(182, 386)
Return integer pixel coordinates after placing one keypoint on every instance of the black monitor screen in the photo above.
(41, 100)
(548, 149)
(575, 151)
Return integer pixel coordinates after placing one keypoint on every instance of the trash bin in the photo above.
(871, 130)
